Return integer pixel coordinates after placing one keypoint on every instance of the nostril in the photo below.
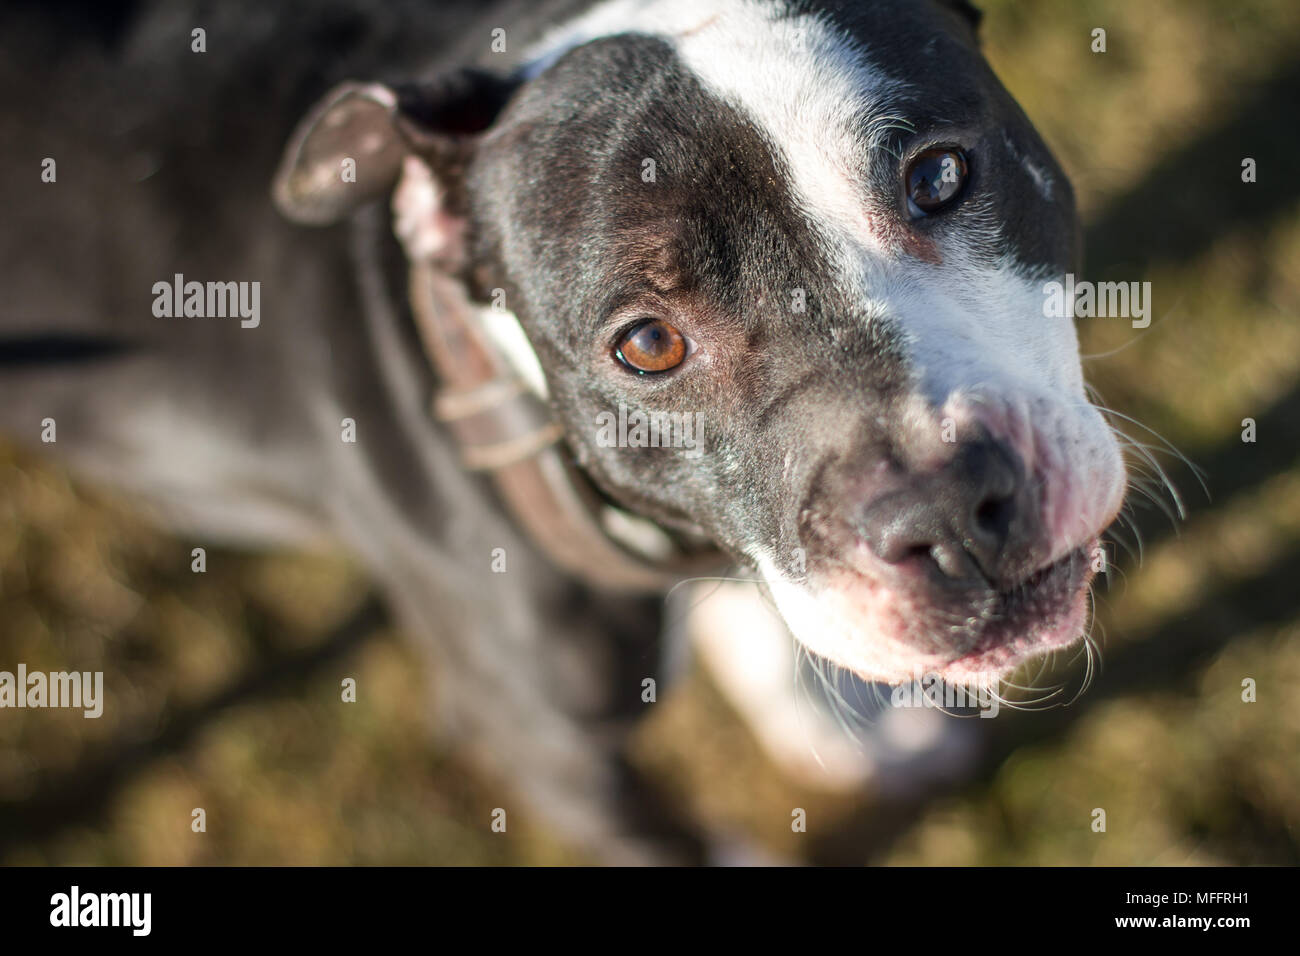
(916, 552)
(993, 516)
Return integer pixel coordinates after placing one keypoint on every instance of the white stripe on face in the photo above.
(811, 90)
(823, 107)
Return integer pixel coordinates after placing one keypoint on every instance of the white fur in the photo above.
(810, 89)
(1043, 180)
(503, 328)
(862, 643)
(751, 656)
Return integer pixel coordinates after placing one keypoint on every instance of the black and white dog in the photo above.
(811, 236)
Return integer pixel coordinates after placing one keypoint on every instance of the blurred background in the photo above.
(229, 680)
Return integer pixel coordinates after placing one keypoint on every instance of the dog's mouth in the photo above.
(886, 634)
(1045, 612)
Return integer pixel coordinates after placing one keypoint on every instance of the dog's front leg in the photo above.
(536, 680)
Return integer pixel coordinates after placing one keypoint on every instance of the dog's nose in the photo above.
(968, 523)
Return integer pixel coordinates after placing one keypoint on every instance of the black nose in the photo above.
(968, 523)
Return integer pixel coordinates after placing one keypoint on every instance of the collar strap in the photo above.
(505, 431)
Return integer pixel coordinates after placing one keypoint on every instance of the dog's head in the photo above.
(821, 237)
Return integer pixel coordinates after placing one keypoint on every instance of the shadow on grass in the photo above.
(83, 794)
(1191, 199)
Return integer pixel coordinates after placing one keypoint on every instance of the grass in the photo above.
(1152, 133)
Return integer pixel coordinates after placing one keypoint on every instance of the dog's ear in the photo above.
(966, 10)
(350, 147)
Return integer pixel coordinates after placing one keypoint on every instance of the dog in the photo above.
(613, 296)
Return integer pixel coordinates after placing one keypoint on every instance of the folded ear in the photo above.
(966, 10)
(349, 149)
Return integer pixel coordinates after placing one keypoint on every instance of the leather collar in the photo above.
(505, 431)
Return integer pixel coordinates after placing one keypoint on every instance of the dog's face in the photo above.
(827, 236)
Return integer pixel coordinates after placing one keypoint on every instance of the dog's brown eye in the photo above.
(652, 346)
(934, 179)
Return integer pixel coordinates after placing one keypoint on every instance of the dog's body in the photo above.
(909, 382)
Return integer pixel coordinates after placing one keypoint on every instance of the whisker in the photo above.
(1142, 333)
(1169, 446)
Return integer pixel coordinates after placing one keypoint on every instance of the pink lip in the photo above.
(1000, 660)
(1006, 655)
(1045, 613)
